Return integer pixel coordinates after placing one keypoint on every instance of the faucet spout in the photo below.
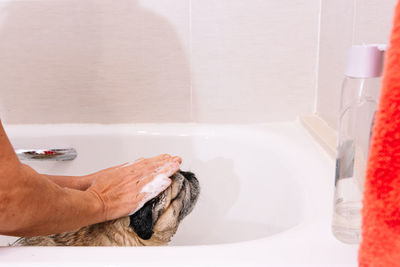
(54, 154)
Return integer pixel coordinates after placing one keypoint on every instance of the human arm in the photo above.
(32, 204)
(73, 182)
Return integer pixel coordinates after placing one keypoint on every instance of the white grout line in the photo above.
(317, 57)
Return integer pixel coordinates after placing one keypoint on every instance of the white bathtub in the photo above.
(266, 194)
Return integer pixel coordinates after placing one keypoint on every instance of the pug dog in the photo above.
(153, 225)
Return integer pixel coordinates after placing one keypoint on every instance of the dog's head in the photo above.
(158, 220)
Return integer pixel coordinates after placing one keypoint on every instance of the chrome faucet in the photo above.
(54, 154)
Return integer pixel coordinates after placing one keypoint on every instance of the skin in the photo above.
(34, 204)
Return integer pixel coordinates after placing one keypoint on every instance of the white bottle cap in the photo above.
(365, 61)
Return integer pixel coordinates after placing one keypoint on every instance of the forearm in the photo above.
(7, 153)
(78, 182)
(31, 204)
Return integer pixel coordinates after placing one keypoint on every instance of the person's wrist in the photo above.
(96, 204)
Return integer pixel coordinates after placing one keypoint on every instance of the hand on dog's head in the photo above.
(162, 214)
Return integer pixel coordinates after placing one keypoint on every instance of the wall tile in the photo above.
(110, 61)
(253, 61)
(97, 61)
(373, 21)
(335, 40)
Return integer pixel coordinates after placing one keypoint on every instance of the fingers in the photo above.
(145, 166)
(161, 158)
(146, 170)
(155, 183)
(142, 165)
(162, 173)
(177, 159)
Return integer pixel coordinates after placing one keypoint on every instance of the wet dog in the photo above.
(153, 225)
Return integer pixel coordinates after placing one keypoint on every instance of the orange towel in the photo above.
(380, 245)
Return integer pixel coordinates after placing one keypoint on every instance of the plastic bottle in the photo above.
(359, 98)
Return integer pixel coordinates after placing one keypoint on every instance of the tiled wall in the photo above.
(243, 61)
(108, 61)
(100, 61)
(343, 23)
(253, 61)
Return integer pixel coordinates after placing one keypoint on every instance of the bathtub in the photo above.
(266, 195)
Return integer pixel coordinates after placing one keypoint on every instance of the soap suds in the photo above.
(156, 185)
(163, 167)
(152, 189)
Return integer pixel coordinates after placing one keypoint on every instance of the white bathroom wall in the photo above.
(100, 61)
(253, 60)
(107, 61)
(343, 23)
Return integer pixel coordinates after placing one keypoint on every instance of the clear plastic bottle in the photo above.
(359, 97)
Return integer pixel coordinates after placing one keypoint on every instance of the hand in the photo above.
(124, 189)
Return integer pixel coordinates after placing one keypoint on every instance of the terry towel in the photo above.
(380, 245)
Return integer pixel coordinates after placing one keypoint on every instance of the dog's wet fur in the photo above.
(153, 225)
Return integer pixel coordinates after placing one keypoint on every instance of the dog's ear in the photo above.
(142, 221)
